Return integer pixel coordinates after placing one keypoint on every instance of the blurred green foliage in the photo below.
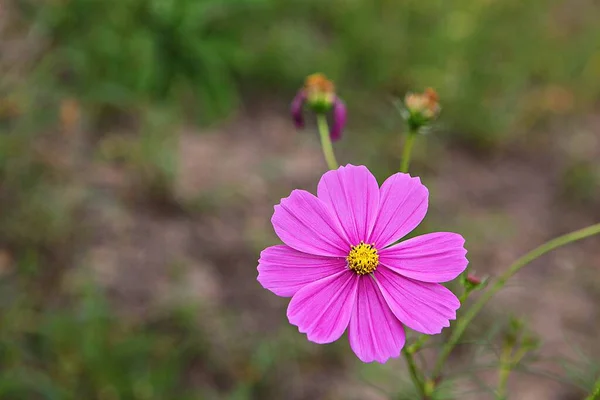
(85, 351)
(36, 191)
(494, 63)
(78, 346)
(126, 52)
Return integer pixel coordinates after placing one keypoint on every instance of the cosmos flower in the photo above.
(343, 270)
(319, 95)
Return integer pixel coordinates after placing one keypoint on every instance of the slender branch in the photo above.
(499, 284)
(407, 151)
(414, 373)
(326, 141)
(504, 372)
(595, 395)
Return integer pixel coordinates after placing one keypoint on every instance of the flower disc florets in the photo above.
(363, 258)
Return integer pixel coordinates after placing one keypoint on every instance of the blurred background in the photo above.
(143, 144)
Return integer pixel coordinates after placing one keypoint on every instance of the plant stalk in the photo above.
(595, 395)
(414, 373)
(407, 151)
(326, 141)
(466, 319)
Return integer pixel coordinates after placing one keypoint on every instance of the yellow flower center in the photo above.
(363, 258)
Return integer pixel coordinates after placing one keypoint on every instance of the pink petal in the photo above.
(323, 308)
(306, 224)
(296, 109)
(284, 270)
(352, 193)
(423, 307)
(435, 257)
(402, 206)
(375, 333)
(339, 119)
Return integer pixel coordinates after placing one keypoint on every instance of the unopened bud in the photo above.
(318, 94)
(473, 282)
(422, 108)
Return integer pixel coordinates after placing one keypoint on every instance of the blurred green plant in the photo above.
(579, 183)
(124, 52)
(79, 346)
(38, 191)
(150, 155)
(107, 358)
(496, 64)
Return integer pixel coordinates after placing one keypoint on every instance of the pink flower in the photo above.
(342, 269)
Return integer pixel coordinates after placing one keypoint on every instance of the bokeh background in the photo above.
(143, 144)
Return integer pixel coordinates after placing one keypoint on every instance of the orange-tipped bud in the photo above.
(318, 93)
(422, 108)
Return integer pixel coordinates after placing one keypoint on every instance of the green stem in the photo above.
(418, 344)
(407, 151)
(326, 141)
(519, 356)
(595, 395)
(466, 319)
(414, 373)
(504, 373)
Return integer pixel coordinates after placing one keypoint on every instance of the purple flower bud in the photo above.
(339, 119)
(473, 279)
(297, 108)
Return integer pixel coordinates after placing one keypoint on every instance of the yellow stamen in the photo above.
(363, 258)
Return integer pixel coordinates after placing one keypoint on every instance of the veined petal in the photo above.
(402, 206)
(352, 193)
(306, 224)
(423, 307)
(323, 308)
(284, 270)
(375, 333)
(435, 257)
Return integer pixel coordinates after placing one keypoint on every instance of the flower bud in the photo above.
(422, 108)
(472, 282)
(319, 95)
(473, 279)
